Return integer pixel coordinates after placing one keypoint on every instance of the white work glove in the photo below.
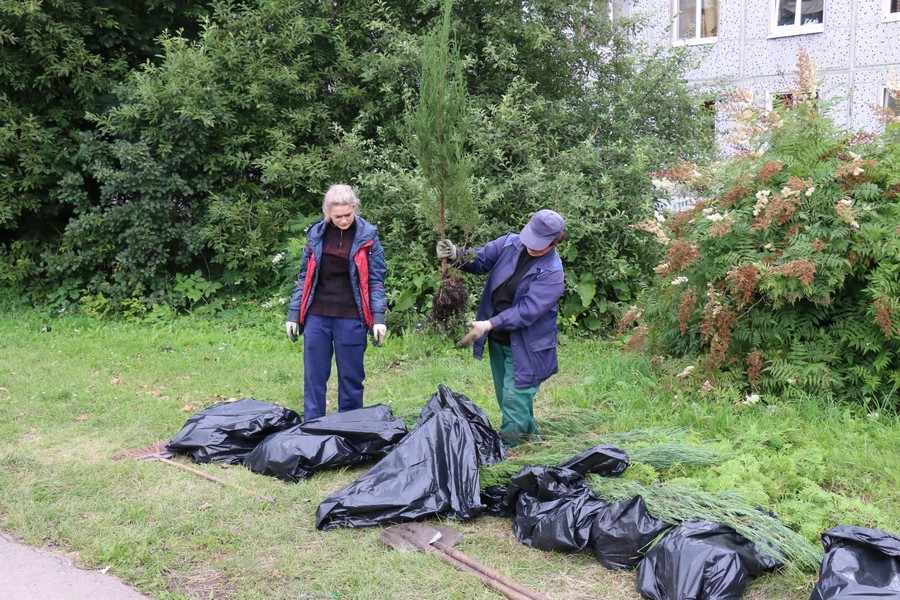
(446, 249)
(379, 332)
(293, 330)
(482, 327)
(479, 328)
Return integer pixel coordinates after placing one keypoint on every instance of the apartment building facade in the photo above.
(754, 44)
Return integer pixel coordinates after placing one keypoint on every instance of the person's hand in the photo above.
(446, 249)
(379, 332)
(479, 328)
(293, 330)
(482, 327)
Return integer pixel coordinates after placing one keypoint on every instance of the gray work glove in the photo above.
(293, 330)
(479, 328)
(446, 249)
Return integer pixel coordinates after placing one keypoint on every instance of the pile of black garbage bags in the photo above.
(433, 471)
(553, 509)
(272, 440)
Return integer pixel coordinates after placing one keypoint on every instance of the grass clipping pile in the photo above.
(568, 434)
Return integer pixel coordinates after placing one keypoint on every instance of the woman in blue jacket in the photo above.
(517, 315)
(339, 299)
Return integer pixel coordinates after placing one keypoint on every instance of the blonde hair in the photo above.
(340, 194)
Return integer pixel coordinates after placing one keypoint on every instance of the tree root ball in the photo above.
(451, 300)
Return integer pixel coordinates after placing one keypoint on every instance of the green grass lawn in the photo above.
(73, 397)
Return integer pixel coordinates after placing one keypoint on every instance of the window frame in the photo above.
(696, 40)
(777, 31)
(887, 15)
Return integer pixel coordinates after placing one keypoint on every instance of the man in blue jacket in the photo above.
(517, 315)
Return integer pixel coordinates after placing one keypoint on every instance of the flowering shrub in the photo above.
(784, 276)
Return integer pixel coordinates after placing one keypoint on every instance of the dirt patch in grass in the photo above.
(202, 581)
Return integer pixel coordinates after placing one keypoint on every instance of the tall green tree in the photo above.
(209, 154)
(571, 122)
(439, 128)
(60, 60)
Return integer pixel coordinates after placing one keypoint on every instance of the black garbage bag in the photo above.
(432, 471)
(554, 509)
(292, 455)
(607, 461)
(495, 501)
(859, 563)
(623, 531)
(545, 481)
(487, 441)
(228, 431)
(701, 560)
(334, 440)
(372, 430)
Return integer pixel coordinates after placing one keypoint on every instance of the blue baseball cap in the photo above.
(544, 227)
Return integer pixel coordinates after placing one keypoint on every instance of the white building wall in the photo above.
(855, 52)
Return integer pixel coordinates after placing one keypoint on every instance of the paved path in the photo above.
(30, 574)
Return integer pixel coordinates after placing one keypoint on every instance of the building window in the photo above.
(696, 21)
(784, 100)
(709, 113)
(792, 13)
(891, 10)
(890, 101)
(780, 100)
(795, 17)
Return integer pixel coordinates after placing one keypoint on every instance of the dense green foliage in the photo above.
(208, 162)
(786, 276)
(58, 61)
(579, 139)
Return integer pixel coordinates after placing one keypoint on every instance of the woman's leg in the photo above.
(516, 404)
(318, 340)
(350, 339)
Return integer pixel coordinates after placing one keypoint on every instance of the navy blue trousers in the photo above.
(345, 339)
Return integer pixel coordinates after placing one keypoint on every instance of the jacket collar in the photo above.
(365, 231)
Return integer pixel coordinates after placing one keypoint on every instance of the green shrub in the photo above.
(59, 61)
(784, 277)
(211, 155)
(642, 473)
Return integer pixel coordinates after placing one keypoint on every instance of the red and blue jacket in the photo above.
(367, 272)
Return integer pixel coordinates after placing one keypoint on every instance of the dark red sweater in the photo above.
(334, 294)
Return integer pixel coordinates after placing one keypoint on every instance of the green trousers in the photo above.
(516, 404)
